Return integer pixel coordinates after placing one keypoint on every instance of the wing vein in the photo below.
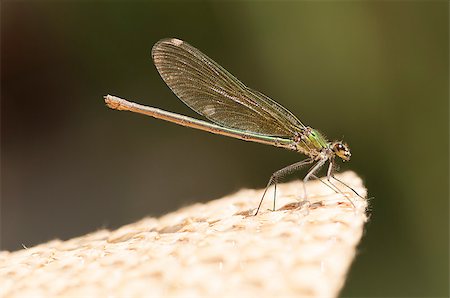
(213, 92)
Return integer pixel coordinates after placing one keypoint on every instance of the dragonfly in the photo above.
(237, 111)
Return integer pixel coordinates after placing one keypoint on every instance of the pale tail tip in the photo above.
(114, 102)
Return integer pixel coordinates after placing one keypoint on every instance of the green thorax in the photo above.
(311, 142)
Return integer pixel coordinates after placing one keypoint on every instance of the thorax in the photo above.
(311, 142)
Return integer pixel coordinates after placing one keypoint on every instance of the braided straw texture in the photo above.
(215, 249)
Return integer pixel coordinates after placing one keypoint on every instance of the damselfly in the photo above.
(237, 111)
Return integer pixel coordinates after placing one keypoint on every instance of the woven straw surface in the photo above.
(205, 250)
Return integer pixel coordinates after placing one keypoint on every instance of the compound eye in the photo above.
(342, 151)
(339, 147)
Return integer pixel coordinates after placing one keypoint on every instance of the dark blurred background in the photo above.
(375, 74)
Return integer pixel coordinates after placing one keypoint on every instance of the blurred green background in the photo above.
(373, 73)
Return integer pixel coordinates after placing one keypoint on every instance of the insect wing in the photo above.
(213, 92)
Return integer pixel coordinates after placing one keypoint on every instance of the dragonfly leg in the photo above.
(280, 174)
(348, 186)
(330, 175)
(311, 172)
(332, 187)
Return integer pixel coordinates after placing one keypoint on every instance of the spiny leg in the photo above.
(311, 172)
(348, 186)
(332, 187)
(331, 175)
(279, 174)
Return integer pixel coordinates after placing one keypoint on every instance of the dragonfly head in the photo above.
(341, 150)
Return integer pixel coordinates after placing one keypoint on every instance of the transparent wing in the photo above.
(213, 92)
